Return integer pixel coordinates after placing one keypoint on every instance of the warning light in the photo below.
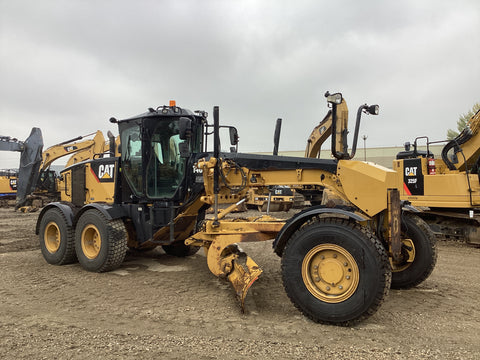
(173, 103)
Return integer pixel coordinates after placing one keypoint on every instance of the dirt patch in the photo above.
(158, 306)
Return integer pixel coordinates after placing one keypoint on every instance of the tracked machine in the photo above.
(34, 183)
(8, 187)
(338, 263)
(446, 189)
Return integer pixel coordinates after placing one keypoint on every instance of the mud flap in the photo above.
(394, 223)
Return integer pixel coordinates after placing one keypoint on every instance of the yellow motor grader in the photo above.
(338, 263)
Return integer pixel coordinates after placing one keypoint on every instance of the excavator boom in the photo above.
(466, 146)
(323, 130)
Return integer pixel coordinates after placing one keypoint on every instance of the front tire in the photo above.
(335, 271)
(100, 243)
(56, 238)
(419, 253)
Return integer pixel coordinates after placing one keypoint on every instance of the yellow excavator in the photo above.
(320, 133)
(447, 189)
(34, 175)
(8, 187)
(338, 262)
(272, 198)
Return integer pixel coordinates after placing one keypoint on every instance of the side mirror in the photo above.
(233, 136)
(185, 128)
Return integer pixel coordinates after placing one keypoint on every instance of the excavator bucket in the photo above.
(30, 161)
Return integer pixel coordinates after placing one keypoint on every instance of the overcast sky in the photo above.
(68, 66)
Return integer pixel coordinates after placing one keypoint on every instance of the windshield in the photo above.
(165, 167)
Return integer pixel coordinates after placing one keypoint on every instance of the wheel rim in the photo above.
(330, 273)
(51, 237)
(408, 252)
(91, 241)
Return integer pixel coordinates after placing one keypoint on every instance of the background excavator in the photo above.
(338, 263)
(30, 159)
(447, 189)
(34, 176)
(8, 186)
(272, 198)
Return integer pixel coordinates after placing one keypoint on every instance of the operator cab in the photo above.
(155, 150)
(413, 154)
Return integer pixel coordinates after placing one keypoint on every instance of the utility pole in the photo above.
(364, 137)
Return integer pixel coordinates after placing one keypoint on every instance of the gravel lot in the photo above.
(158, 306)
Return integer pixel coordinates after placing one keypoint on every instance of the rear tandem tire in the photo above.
(406, 275)
(100, 243)
(335, 271)
(56, 238)
(180, 249)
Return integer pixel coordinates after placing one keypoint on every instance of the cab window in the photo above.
(165, 168)
(132, 158)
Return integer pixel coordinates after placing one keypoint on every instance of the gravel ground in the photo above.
(159, 306)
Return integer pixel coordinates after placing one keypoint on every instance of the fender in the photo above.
(299, 219)
(110, 212)
(67, 211)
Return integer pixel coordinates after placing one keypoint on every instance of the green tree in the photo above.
(462, 122)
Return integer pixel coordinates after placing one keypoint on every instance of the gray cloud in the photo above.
(67, 66)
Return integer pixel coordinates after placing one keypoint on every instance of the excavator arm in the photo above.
(323, 130)
(84, 150)
(8, 143)
(467, 143)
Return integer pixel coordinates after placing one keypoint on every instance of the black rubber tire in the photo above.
(55, 220)
(180, 249)
(416, 229)
(113, 241)
(363, 246)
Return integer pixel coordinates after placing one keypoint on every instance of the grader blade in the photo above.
(225, 259)
(244, 273)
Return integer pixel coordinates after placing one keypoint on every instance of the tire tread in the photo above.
(380, 254)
